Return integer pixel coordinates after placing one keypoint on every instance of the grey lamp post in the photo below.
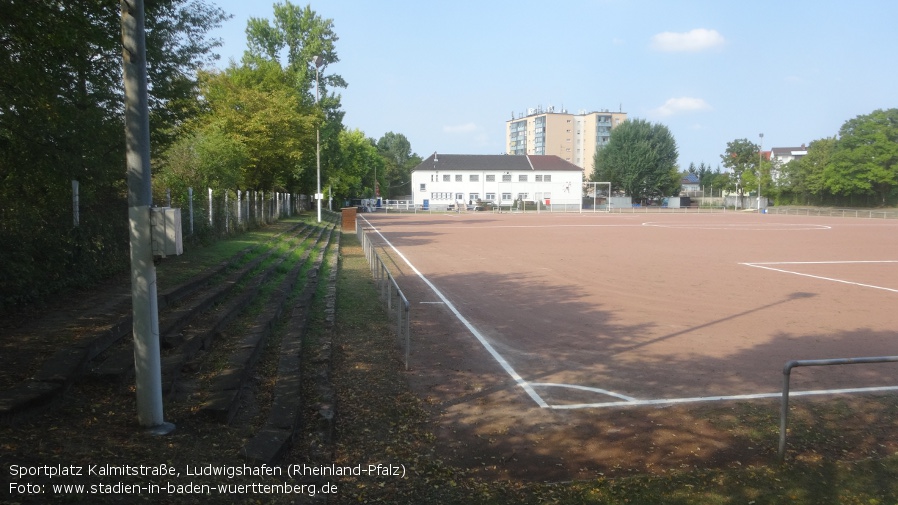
(760, 155)
(318, 61)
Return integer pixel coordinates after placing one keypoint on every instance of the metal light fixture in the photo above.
(318, 61)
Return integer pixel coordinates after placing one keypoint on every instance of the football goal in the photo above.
(601, 196)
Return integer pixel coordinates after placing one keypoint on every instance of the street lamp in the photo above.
(318, 61)
(760, 154)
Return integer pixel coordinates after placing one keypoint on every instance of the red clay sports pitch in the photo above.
(594, 311)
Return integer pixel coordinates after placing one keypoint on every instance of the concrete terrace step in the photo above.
(272, 441)
(224, 392)
(117, 365)
(44, 391)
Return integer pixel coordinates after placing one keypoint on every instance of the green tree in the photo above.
(712, 181)
(719, 182)
(640, 159)
(61, 120)
(742, 158)
(297, 34)
(254, 118)
(359, 160)
(208, 157)
(399, 161)
(865, 158)
(803, 180)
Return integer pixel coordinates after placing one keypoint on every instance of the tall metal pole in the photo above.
(147, 361)
(760, 154)
(318, 61)
(318, 162)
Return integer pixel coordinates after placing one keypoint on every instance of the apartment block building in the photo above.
(572, 137)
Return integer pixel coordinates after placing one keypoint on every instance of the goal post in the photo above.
(599, 189)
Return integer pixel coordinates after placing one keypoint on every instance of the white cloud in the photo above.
(462, 128)
(682, 105)
(696, 40)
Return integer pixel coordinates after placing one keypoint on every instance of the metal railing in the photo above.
(388, 289)
(831, 212)
(787, 370)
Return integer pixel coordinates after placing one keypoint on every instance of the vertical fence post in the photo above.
(784, 409)
(76, 218)
(210, 207)
(190, 199)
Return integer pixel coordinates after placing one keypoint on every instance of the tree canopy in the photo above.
(399, 161)
(856, 167)
(292, 39)
(742, 157)
(639, 159)
(710, 179)
(61, 119)
(865, 158)
(250, 126)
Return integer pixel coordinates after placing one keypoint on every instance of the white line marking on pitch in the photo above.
(673, 401)
(490, 227)
(585, 388)
(498, 357)
(766, 267)
(740, 226)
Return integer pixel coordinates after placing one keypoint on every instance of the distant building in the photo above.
(449, 179)
(690, 184)
(784, 155)
(571, 137)
(779, 156)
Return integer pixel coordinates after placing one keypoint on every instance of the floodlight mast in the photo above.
(318, 61)
(144, 306)
(760, 154)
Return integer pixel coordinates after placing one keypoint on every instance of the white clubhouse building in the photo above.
(448, 179)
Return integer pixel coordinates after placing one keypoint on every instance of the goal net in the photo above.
(600, 194)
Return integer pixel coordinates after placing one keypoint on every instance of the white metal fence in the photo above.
(388, 291)
(832, 212)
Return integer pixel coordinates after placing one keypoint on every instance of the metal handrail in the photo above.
(787, 370)
(386, 282)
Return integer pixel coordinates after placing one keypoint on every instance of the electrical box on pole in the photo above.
(166, 231)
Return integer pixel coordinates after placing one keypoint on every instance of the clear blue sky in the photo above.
(448, 75)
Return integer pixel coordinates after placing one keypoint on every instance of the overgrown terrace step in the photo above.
(272, 441)
(56, 375)
(44, 391)
(171, 323)
(119, 364)
(224, 392)
(29, 398)
(199, 337)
